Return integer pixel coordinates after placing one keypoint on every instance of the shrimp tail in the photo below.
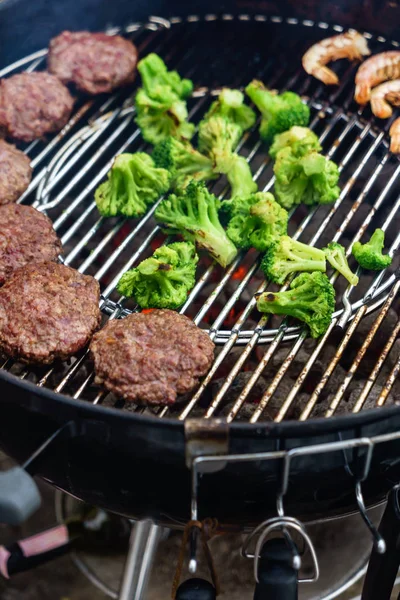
(325, 75)
(381, 108)
(394, 133)
(362, 93)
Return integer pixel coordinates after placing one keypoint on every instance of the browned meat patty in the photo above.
(15, 172)
(151, 357)
(47, 311)
(95, 62)
(32, 105)
(26, 236)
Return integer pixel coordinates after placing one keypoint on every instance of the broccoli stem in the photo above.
(212, 236)
(377, 241)
(289, 302)
(257, 93)
(336, 256)
(238, 173)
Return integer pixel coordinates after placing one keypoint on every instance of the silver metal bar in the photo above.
(361, 353)
(143, 544)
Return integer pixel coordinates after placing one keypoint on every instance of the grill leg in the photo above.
(143, 544)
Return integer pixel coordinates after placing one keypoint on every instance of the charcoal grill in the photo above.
(314, 423)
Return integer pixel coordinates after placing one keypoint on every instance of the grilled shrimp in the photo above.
(350, 45)
(373, 71)
(382, 96)
(394, 133)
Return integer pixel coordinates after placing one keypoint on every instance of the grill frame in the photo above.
(100, 427)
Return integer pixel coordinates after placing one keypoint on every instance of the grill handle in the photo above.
(383, 568)
(196, 589)
(19, 496)
(277, 578)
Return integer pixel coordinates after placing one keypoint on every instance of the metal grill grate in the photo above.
(264, 368)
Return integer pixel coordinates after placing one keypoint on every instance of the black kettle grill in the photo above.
(283, 429)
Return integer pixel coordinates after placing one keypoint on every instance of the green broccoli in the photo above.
(369, 256)
(159, 118)
(218, 138)
(218, 135)
(183, 162)
(230, 105)
(194, 214)
(279, 111)
(286, 256)
(300, 139)
(311, 298)
(164, 279)
(256, 220)
(133, 183)
(311, 179)
(336, 256)
(238, 173)
(155, 74)
(160, 104)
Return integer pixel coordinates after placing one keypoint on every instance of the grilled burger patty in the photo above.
(26, 236)
(95, 62)
(32, 105)
(15, 172)
(151, 357)
(47, 311)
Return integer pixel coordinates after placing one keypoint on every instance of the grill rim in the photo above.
(286, 428)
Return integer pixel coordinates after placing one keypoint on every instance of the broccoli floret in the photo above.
(183, 162)
(194, 214)
(336, 256)
(311, 298)
(300, 139)
(286, 256)
(159, 118)
(369, 256)
(155, 74)
(256, 221)
(133, 183)
(230, 105)
(164, 279)
(279, 111)
(311, 179)
(218, 135)
(160, 105)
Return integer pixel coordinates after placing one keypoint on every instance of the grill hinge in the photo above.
(205, 438)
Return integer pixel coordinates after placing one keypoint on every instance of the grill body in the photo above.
(134, 464)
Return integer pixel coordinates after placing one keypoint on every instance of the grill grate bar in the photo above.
(332, 365)
(361, 353)
(394, 374)
(376, 370)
